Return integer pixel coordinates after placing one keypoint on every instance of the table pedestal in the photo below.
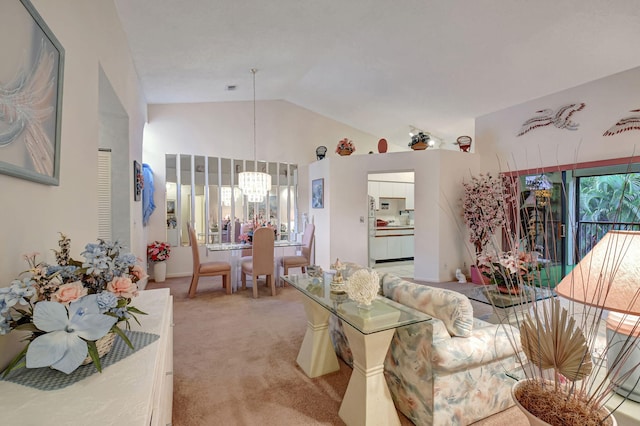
(367, 400)
(317, 356)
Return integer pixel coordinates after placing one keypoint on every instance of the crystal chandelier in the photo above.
(254, 185)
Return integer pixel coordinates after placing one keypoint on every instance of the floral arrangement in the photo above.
(363, 286)
(345, 145)
(67, 307)
(158, 251)
(509, 269)
(484, 205)
(246, 238)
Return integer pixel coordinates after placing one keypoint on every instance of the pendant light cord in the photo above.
(255, 158)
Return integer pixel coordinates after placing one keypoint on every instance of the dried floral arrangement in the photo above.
(565, 376)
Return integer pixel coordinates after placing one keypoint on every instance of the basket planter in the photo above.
(535, 421)
(345, 152)
(104, 345)
(419, 146)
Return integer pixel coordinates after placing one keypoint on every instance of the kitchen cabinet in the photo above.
(392, 247)
(386, 189)
(409, 196)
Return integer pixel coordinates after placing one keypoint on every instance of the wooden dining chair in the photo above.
(304, 259)
(261, 262)
(206, 269)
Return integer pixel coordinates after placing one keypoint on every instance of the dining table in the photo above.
(235, 249)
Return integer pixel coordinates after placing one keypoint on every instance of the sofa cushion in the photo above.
(452, 308)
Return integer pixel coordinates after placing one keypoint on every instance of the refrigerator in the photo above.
(371, 234)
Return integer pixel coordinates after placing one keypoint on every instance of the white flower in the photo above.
(363, 286)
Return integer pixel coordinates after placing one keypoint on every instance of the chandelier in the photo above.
(254, 185)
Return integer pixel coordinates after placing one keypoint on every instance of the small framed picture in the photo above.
(171, 207)
(317, 193)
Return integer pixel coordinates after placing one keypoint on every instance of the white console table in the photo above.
(137, 390)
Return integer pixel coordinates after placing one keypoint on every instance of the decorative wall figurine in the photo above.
(561, 118)
(628, 123)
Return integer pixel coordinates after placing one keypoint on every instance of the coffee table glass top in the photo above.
(384, 314)
(489, 295)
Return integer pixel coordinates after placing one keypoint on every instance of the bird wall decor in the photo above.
(560, 118)
(628, 123)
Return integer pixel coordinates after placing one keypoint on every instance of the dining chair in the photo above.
(304, 259)
(206, 269)
(261, 262)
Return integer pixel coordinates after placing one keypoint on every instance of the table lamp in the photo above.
(608, 277)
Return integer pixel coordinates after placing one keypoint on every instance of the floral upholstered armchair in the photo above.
(450, 370)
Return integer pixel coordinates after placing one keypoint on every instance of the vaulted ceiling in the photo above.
(379, 65)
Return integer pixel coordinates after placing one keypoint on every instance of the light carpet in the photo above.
(235, 361)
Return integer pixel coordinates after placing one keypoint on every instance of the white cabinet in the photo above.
(386, 189)
(394, 247)
(378, 248)
(408, 246)
(409, 196)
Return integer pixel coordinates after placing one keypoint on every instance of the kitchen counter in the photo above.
(394, 228)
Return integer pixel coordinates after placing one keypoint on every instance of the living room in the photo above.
(105, 99)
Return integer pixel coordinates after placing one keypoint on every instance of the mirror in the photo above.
(205, 190)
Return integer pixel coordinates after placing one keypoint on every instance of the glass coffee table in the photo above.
(507, 306)
(369, 332)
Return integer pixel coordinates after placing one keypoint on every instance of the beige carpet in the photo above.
(235, 361)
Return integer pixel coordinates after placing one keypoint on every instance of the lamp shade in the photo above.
(609, 275)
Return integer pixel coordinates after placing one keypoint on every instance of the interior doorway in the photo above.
(391, 239)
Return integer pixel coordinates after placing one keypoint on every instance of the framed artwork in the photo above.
(317, 193)
(31, 76)
(138, 181)
(171, 206)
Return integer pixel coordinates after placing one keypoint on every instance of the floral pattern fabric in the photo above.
(436, 378)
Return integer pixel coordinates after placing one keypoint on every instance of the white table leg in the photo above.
(367, 400)
(317, 356)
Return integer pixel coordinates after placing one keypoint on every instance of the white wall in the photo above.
(284, 133)
(607, 100)
(32, 213)
(439, 236)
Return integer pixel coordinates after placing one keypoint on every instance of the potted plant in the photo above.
(566, 372)
(71, 309)
(420, 141)
(345, 147)
(158, 252)
(483, 206)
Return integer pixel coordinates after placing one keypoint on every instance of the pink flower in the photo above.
(138, 272)
(69, 292)
(123, 287)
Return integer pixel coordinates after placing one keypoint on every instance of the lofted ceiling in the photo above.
(379, 65)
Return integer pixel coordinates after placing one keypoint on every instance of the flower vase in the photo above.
(159, 271)
(344, 152)
(477, 277)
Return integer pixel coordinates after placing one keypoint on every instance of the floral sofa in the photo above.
(446, 371)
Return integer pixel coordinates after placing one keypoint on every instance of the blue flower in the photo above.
(18, 291)
(4, 326)
(106, 301)
(63, 347)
